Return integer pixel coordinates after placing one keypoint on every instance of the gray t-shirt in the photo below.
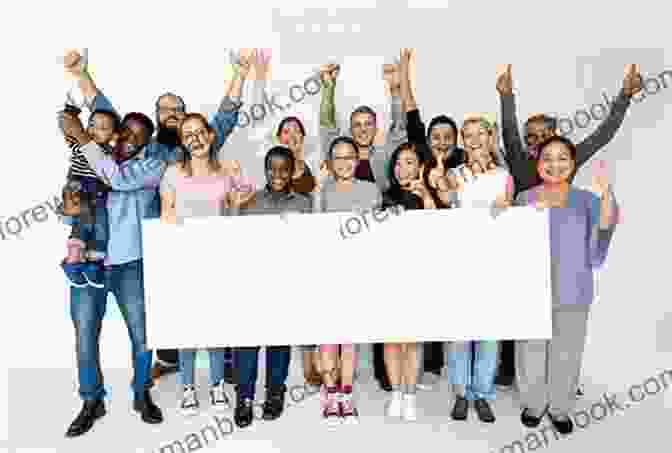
(196, 196)
(363, 195)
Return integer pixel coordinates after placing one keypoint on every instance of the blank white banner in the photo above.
(436, 275)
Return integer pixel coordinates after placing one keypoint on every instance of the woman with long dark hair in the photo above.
(408, 191)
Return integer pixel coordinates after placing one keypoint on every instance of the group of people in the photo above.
(122, 173)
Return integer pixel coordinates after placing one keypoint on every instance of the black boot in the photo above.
(149, 412)
(244, 413)
(91, 411)
(460, 409)
(275, 402)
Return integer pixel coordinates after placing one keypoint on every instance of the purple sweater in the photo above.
(578, 245)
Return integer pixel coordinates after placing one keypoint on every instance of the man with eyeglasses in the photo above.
(169, 110)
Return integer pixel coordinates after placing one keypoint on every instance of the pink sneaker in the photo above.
(347, 410)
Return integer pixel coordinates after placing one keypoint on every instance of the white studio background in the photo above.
(139, 50)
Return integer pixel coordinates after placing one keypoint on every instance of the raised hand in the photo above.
(505, 82)
(632, 82)
(245, 63)
(329, 72)
(74, 63)
(262, 63)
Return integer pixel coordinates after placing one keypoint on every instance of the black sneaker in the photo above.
(244, 413)
(91, 411)
(562, 425)
(460, 409)
(275, 402)
(484, 411)
(530, 421)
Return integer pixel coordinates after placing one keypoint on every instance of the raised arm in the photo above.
(414, 125)
(226, 118)
(605, 132)
(77, 66)
(513, 144)
(328, 126)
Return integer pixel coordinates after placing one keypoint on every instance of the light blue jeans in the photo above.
(187, 358)
(473, 374)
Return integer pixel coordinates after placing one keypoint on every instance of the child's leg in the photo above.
(75, 244)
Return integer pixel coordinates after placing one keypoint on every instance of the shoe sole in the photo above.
(333, 421)
(221, 407)
(188, 412)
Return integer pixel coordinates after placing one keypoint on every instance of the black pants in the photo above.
(507, 364)
(379, 371)
(167, 355)
(433, 360)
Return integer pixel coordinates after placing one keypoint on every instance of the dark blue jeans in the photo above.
(87, 309)
(277, 368)
(91, 225)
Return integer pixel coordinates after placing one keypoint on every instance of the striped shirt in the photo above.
(79, 166)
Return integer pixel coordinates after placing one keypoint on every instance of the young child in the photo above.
(84, 200)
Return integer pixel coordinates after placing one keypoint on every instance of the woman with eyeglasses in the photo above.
(199, 184)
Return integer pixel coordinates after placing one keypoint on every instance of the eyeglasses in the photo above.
(201, 133)
(168, 110)
(348, 157)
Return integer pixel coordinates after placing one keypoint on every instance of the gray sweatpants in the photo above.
(548, 370)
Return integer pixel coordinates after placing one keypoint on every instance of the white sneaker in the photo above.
(218, 398)
(394, 405)
(427, 381)
(189, 404)
(409, 408)
(349, 412)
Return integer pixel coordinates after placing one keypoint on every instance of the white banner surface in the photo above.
(436, 275)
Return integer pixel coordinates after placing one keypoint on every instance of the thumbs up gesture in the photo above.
(632, 82)
(505, 82)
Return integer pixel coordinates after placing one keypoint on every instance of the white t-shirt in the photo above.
(482, 190)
